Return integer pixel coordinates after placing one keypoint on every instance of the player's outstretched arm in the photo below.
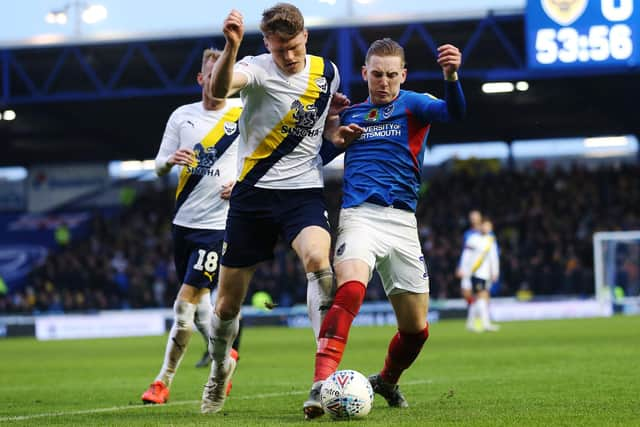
(224, 81)
(450, 59)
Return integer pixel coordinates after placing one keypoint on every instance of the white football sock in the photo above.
(223, 332)
(203, 317)
(471, 315)
(483, 310)
(320, 292)
(179, 337)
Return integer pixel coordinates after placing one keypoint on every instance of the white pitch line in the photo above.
(147, 407)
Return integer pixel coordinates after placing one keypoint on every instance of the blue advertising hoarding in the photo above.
(582, 33)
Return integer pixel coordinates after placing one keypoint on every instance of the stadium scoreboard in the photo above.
(582, 33)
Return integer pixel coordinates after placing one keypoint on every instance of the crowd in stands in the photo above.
(544, 221)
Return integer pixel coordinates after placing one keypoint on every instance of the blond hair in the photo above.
(385, 47)
(283, 20)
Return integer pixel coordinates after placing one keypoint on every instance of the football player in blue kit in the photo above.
(385, 139)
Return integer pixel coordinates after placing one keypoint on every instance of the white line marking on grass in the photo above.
(147, 407)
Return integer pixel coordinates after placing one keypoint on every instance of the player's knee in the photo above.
(226, 309)
(184, 313)
(315, 259)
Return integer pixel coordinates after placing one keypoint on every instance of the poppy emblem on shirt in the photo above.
(372, 115)
(230, 128)
(387, 111)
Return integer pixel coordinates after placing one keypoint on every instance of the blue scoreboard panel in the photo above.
(582, 33)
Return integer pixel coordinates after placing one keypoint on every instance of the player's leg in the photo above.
(179, 336)
(352, 277)
(191, 250)
(250, 237)
(202, 321)
(303, 215)
(467, 294)
(225, 324)
(405, 279)
(353, 265)
(406, 344)
(312, 247)
(483, 310)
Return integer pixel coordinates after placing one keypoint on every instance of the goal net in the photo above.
(616, 260)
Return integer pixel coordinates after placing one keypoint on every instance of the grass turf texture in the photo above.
(553, 373)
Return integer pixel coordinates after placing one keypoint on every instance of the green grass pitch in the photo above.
(548, 373)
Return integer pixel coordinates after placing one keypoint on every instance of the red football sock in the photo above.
(335, 328)
(403, 350)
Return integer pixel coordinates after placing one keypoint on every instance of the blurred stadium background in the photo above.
(549, 151)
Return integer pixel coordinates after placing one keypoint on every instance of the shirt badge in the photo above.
(372, 115)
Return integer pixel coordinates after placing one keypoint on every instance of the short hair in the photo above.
(284, 20)
(209, 53)
(385, 47)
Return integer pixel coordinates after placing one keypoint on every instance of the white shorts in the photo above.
(387, 239)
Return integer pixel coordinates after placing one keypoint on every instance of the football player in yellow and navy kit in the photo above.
(287, 96)
(385, 149)
(200, 138)
(479, 268)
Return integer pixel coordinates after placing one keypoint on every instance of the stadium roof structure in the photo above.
(109, 100)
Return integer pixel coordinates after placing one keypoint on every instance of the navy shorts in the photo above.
(257, 216)
(478, 284)
(197, 255)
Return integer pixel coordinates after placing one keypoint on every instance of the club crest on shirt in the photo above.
(372, 115)
(230, 128)
(387, 111)
(564, 12)
(321, 82)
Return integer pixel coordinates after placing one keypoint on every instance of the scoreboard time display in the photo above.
(582, 33)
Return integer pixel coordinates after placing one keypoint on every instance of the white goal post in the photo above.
(616, 262)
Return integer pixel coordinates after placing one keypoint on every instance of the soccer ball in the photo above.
(346, 394)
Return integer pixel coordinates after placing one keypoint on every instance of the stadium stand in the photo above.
(544, 222)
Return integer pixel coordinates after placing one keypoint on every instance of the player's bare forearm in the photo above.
(222, 73)
(220, 83)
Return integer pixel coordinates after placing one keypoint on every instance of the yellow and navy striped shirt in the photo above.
(283, 121)
(212, 135)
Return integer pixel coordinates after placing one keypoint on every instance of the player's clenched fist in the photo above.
(233, 28)
(449, 58)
